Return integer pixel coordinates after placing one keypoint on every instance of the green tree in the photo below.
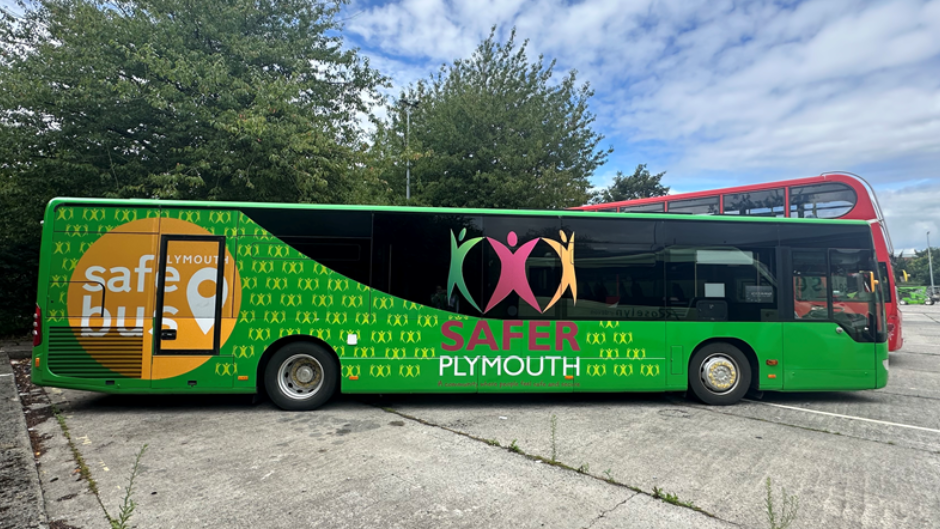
(492, 131)
(919, 267)
(215, 99)
(641, 184)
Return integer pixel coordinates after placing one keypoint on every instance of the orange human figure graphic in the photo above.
(565, 251)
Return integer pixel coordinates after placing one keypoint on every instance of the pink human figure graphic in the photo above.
(513, 275)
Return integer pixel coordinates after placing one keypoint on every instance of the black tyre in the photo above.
(928, 302)
(301, 376)
(719, 374)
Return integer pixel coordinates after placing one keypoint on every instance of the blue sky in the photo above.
(718, 93)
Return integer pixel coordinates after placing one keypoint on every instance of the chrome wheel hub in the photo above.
(719, 373)
(300, 377)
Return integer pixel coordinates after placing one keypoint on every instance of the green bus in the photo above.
(299, 301)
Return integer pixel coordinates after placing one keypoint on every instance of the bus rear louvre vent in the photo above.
(109, 356)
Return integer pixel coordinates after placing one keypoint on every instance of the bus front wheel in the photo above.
(301, 376)
(719, 374)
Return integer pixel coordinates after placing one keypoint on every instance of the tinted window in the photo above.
(822, 201)
(885, 285)
(340, 240)
(722, 284)
(714, 232)
(810, 285)
(657, 207)
(853, 292)
(413, 258)
(522, 271)
(607, 210)
(834, 235)
(696, 206)
(768, 203)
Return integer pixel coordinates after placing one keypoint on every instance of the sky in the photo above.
(717, 93)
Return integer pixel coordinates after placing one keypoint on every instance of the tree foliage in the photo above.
(215, 99)
(918, 268)
(493, 130)
(641, 184)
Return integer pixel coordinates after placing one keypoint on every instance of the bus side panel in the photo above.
(622, 356)
(819, 357)
(96, 297)
(765, 338)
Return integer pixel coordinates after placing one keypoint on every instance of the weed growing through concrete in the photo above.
(673, 499)
(513, 447)
(610, 476)
(554, 432)
(788, 509)
(584, 468)
(492, 442)
(127, 508)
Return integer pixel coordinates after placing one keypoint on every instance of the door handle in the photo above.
(168, 334)
(839, 330)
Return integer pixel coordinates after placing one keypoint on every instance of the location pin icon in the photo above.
(203, 307)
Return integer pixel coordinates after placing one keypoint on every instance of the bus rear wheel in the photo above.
(719, 374)
(301, 376)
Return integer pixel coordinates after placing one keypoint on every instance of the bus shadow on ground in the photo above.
(518, 400)
(210, 403)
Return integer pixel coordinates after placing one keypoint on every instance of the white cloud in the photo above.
(910, 213)
(719, 92)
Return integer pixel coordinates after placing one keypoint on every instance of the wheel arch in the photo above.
(745, 348)
(281, 342)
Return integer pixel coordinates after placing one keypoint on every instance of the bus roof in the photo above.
(153, 203)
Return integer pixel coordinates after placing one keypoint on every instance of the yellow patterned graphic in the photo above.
(380, 371)
(364, 352)
(596, 338)
(381, 336)
(395, 353)
(409, 336)
(409, 371)
(649, 370)
(397, 320)
(623, 338)
(596, 370)
(623, 370)
(425, 352)
(351, 371)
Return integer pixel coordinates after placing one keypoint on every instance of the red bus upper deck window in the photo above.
(822, 201)
(769, 203)
(656, 207)
(695, 206)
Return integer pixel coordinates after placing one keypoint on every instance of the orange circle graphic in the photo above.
(112, 297)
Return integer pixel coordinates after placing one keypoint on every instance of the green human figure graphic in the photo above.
(457, 256)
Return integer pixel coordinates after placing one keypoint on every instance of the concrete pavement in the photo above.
(855, 459)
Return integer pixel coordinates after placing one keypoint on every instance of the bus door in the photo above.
(830, 344)
(191, 292)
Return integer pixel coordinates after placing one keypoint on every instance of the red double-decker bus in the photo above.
(839, 195)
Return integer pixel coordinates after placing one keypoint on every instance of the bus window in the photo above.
(767, 203)
(822, 201)
(657, 207)
(852, 291)
(722, 284)
(810, 286)
(695, 206)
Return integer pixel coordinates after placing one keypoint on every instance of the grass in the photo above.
(780, 516)
(128, 506)
(513, 447)
(554, 438)
(672, 499)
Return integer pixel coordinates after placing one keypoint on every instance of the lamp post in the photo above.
(409, 104)
(930, 264)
